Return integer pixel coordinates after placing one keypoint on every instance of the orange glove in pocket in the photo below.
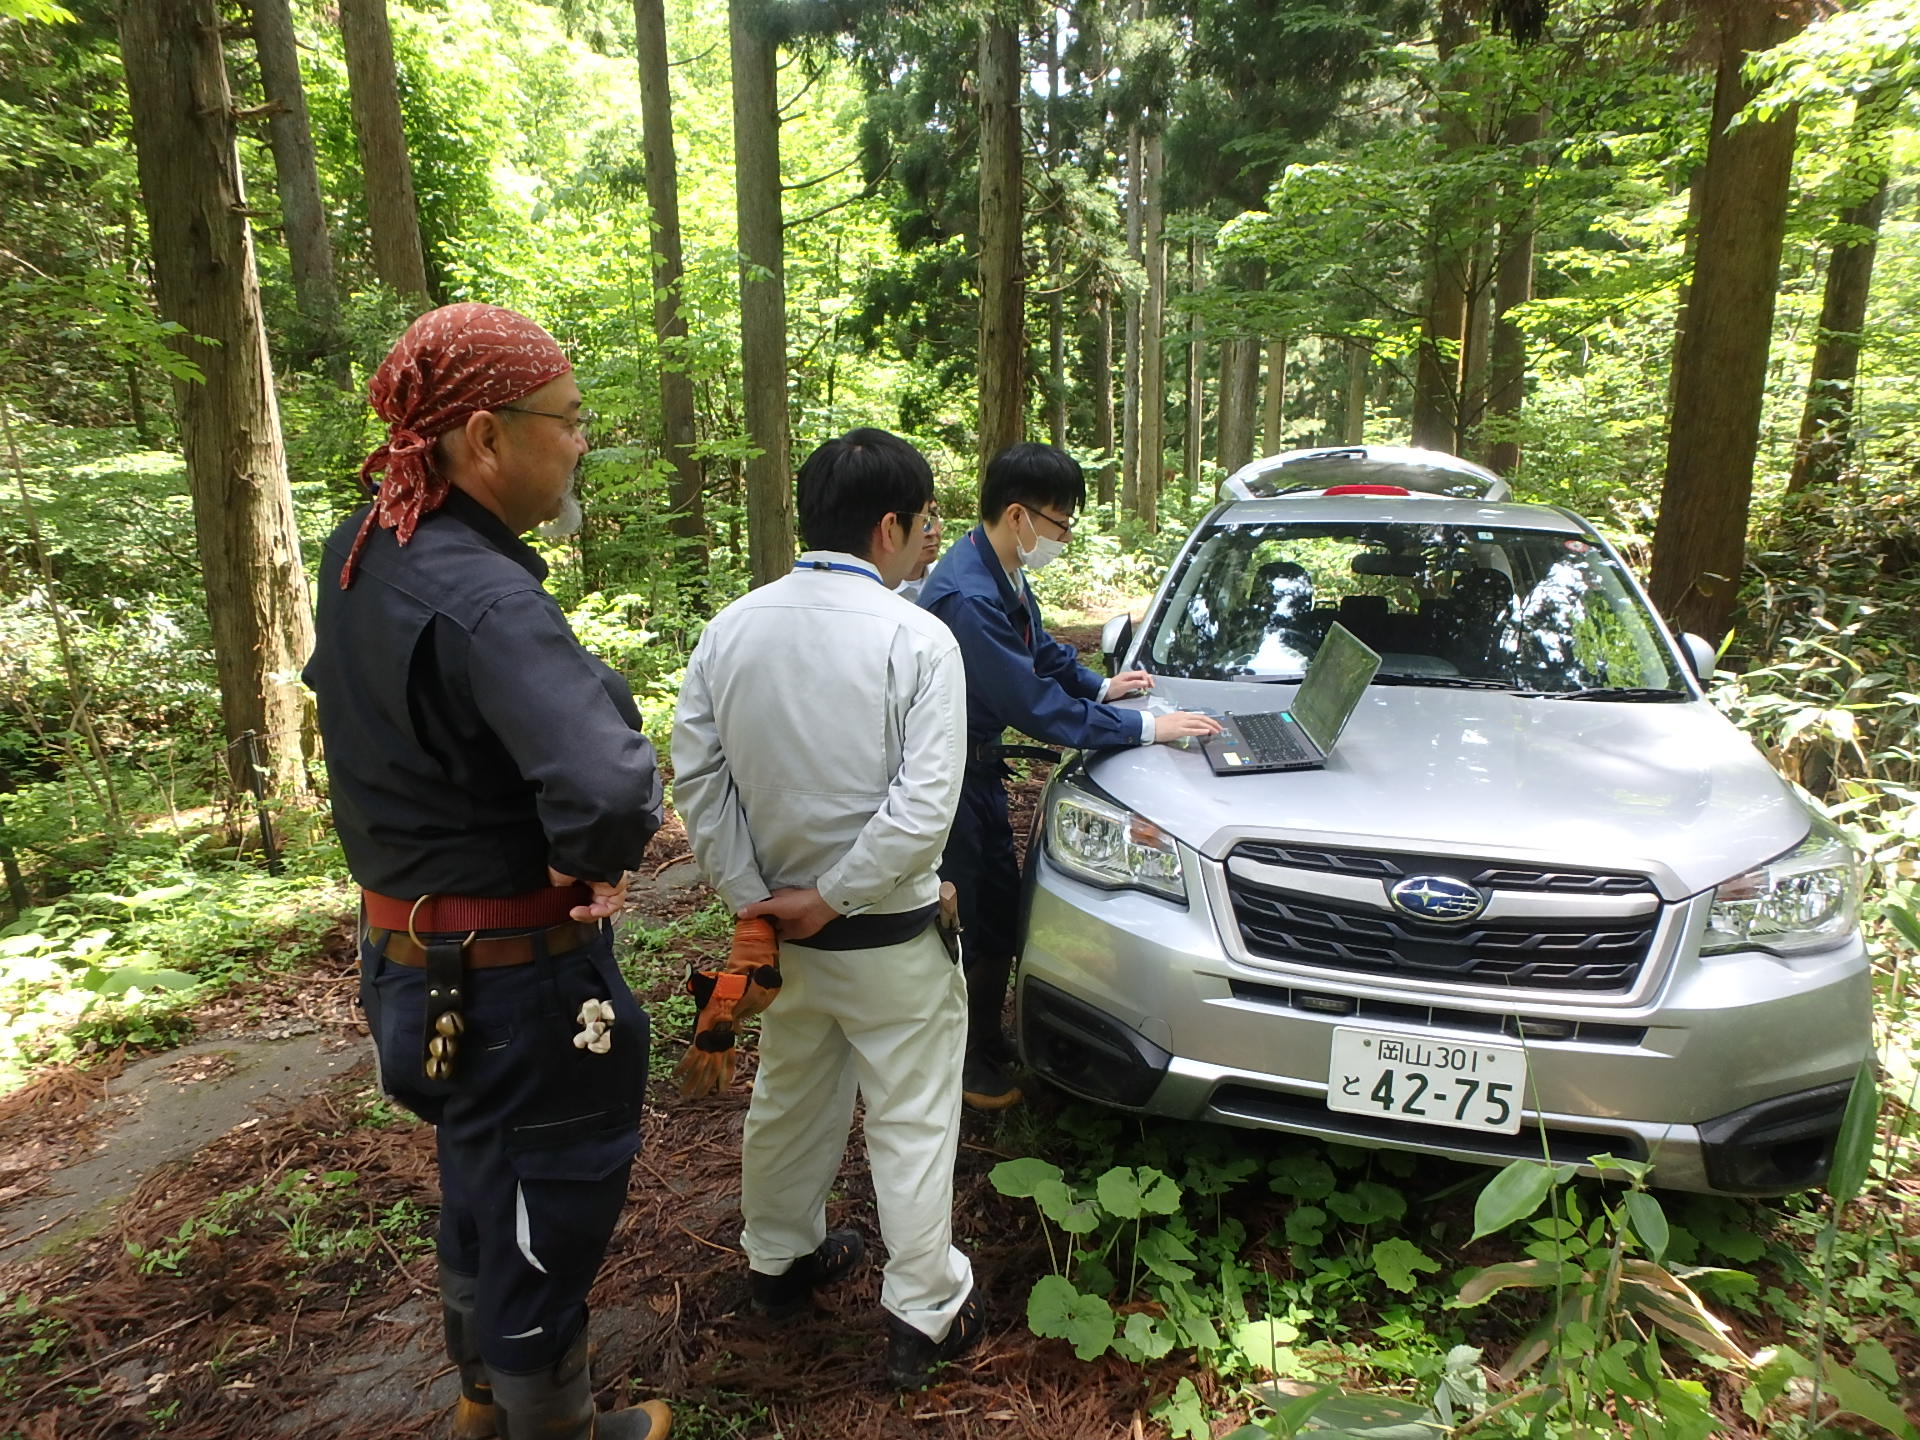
(748, 984)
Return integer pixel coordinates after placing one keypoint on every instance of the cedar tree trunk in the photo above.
(1699, 543)
(399, 260)
(686, 520)
(183, 131)
(1002, 294)
(763, 295)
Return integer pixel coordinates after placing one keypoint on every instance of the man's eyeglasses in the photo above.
(577, 425)
(929, 521)
(1066, 526)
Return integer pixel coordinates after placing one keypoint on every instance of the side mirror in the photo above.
(1699, 655)
(1115, 636)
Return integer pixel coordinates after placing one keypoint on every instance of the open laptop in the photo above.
(1303, 737)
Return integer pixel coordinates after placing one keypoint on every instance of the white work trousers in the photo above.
(890, 1024)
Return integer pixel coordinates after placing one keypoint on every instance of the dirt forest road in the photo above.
(234, 1238)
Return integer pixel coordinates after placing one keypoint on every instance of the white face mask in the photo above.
(1043, 553)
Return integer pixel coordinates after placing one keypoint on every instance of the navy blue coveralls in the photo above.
(471, 743)
(1018, 676)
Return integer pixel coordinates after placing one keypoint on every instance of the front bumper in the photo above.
(1729, 1073)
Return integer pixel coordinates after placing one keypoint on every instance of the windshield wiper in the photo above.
(1630, 694)
(1255, 677)
(1441, 682)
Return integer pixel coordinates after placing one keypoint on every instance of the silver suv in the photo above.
(1542, 899)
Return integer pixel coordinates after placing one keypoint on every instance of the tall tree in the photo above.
(1239, 400)
(1002, 287)
(1153, 347)
(1136, 217)
(763, 292)
(393, 211)
(687, 520)
(1274, 418)
(203, 270)
(1699, 543)
(1443, 330)
(1196, 372)
(303, 214)
(1513, 287)
(1826, 425)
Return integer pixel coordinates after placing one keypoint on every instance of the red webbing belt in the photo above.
(451, 914)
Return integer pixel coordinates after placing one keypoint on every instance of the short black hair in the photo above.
(1033, 475)
(849, 485)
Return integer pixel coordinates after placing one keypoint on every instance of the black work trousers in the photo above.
(536, 1136)
(986, 879)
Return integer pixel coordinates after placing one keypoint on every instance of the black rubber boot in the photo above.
(473, 1417)
(557, 1404)
(912, 1358)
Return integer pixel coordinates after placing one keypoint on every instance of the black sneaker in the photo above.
(783, 1296)
(985, 1083)
(912, 1356)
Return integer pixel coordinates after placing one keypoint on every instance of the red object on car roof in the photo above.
(1366, 490)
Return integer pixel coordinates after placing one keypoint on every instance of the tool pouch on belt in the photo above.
(446, 982)
(947, 922)
(748, 984)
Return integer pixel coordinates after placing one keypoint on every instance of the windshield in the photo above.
(1535, 610)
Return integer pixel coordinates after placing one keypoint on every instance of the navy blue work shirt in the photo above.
(1017, 674)
(471, 742)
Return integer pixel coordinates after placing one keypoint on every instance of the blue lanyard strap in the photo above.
(836, 565)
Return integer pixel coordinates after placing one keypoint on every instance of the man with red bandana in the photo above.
(491, 788)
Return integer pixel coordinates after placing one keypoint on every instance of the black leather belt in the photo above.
(994, 753)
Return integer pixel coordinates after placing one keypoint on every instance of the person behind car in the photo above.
(480, 760)
(1018, 676)
(817, 753)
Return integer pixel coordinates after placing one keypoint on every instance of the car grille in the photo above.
(1564, 952)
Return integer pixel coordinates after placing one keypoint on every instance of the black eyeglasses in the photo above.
(576, 424)
(1066, 526)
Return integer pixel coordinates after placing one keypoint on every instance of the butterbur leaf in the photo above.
(132, 977)
(1649, 1222)
(1306, 1176)
(1367, 1202)
(1161, 1251)
(1057, 1311)
(1022, 1178)
(1511, 1196)
(1146, 1337)
(1306, 1225)
(1183, 1413)
(1396, 1260)
(1266, 1344)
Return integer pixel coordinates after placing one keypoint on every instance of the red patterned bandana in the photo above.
(450, 363)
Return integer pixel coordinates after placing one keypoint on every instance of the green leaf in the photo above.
(129, 977)
(1183, 1413)
(1129, 1194)
(1853, 1147)
(42, 10)
(1539, 1274)
(1395, 1261)
(1306, 1224)
(1022, 1178)
(1511, 1196)
(1057, 1311)
(1146, 1337)
(1649, 1222)
(1161, 1251)
(1367, 1202)
(1855, 1394)
(1307, 1177)
(1904, 920)
(1267, 1345)
(1374, 1417)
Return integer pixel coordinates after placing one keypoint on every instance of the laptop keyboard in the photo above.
(1270, 740)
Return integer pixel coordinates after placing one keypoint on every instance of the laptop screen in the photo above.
(1336, 678)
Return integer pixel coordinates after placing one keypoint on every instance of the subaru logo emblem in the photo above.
(1437, 897)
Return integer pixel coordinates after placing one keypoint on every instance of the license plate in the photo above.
(1428, 1082)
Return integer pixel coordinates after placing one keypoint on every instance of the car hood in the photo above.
(1669, 790)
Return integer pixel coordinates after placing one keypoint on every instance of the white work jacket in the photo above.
(820, 741)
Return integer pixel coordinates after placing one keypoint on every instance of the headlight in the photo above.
(1807, 899)
(1105, 844)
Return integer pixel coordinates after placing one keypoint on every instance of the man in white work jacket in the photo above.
(818, 751)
